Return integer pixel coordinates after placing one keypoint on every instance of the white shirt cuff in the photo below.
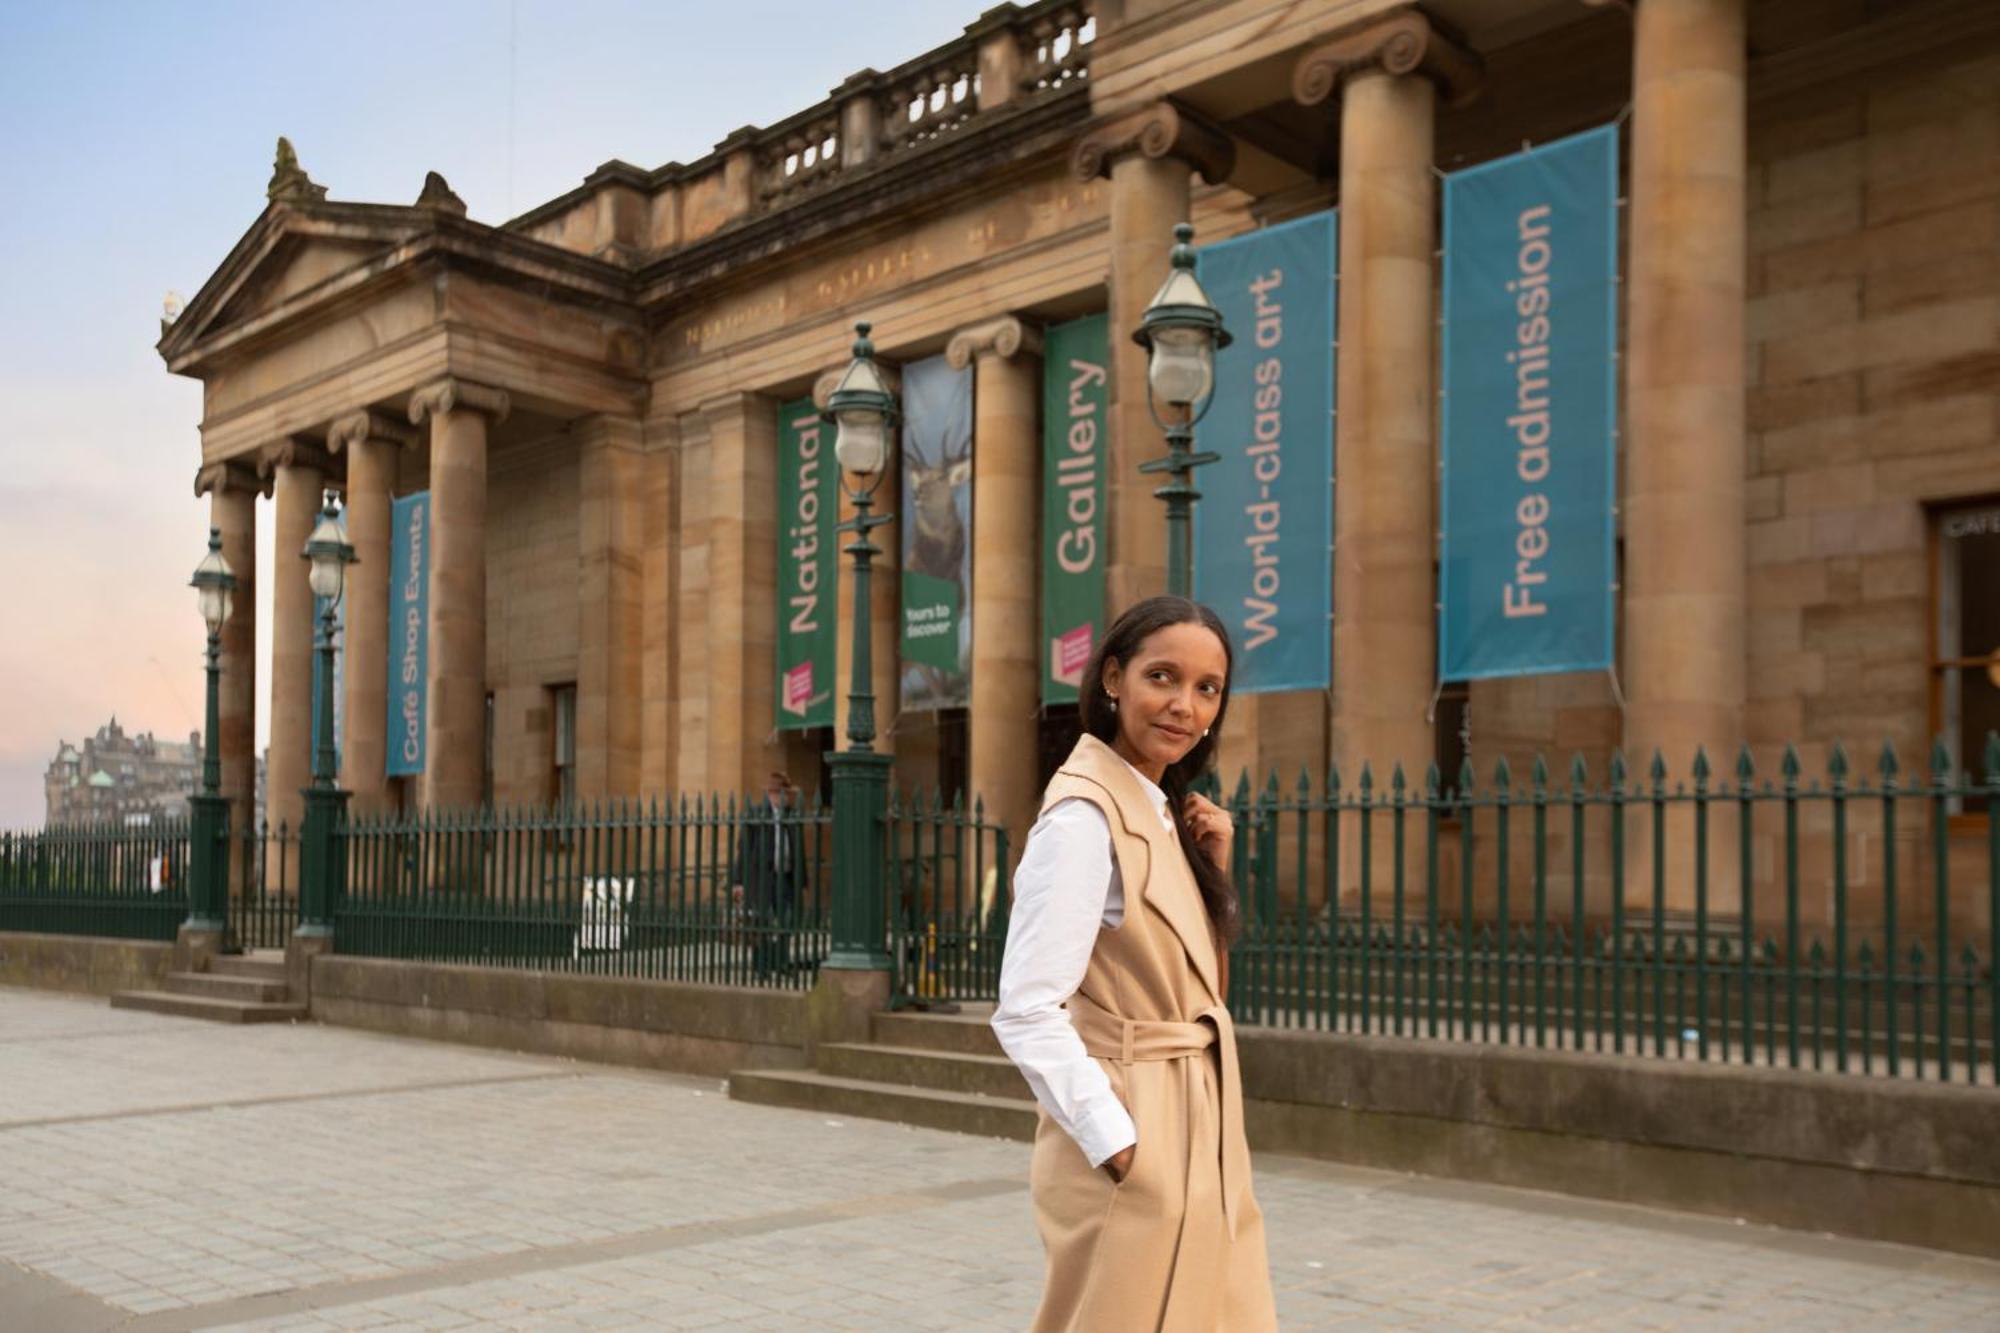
(1105, 1131)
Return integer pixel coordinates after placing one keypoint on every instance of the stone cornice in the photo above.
(1406, 42)
(294, 452)
(1164, 129)
(1006, 336)
(457, 395)
(368, 425)
(222, 478)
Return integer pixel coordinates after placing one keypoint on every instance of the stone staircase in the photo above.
(236, 988)
(941, 1071)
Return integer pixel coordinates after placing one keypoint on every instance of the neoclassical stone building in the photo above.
(1809, 463)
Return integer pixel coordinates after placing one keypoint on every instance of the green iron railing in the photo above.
(264, 893)
(949, 877)
(1585, 917)
(698, 891)
(115, 880)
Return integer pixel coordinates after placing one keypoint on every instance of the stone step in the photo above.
(808, 1090)
(202, 1006)
(940, 1071)
(268, 964)
(223, 986)
(968, 1032)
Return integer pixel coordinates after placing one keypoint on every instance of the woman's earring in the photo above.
(1204, 733)
(1114, 703)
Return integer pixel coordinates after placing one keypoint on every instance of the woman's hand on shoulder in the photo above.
(1214, 832)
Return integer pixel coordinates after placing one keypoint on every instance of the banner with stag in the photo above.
(1527, 564)
(1074, 448)
(808, 567)
(1263, 539)
(936, 522)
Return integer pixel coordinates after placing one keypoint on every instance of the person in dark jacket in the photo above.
(767, 872)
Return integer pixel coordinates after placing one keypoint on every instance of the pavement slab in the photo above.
(161, 1174)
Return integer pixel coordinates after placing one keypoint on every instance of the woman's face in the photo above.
(1168, 694)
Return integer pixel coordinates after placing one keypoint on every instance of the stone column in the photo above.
(742, 592)
(1387, 74)
(232, 490)
(609, 576)
(297, 471)
(1685, 460)
(659, 567)
(455, 702)
(1006, 554)
(1149, 155)
(372, 443)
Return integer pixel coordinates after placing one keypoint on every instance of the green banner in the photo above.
(808, 567)
(1074, 449)
(930, 621)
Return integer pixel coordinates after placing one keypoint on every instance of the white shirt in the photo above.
(1066, 887)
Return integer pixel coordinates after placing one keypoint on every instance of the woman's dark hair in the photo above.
(1100, 719)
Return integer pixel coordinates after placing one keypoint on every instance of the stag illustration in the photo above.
(937, 545)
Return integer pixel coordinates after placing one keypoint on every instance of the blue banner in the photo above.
(409, 630)
(1263, 537)
(1531, 328)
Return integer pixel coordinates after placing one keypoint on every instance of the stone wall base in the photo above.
(707, 1030)
(83, 964)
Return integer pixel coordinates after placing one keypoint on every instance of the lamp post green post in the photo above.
(1181, 331)
(863, 412)
(321, 864)
(208, 826)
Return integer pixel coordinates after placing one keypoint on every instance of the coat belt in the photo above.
(1134, 1040)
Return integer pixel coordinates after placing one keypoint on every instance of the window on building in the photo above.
(563, 709)
(1965, 653)
(486, 766)
(1452, 733)
(954, 762)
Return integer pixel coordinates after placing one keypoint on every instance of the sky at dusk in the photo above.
(135, 143)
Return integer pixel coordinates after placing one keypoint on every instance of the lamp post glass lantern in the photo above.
(321, 867)
(863, 411)
(1181, 331)
(327, 555)
(214, 585)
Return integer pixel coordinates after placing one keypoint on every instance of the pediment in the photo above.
(288, 253)
(296, 264)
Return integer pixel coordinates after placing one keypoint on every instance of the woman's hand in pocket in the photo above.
(1119, 1164)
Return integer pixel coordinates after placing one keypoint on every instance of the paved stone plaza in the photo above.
(162, 1174)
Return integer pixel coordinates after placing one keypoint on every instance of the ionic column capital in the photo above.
(1006, 337)
(232, 477)
(1164, 129)
(296, 451)
(456, 395)
(1406, 42)
(368, 424)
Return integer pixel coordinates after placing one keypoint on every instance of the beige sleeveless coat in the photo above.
(1178, 1245)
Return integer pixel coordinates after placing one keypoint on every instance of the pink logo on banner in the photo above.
(799, 688)
(1069, 653)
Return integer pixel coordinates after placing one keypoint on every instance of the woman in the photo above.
(1123, 912)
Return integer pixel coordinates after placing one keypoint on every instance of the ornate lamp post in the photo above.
(1181, 331)
(328, 555)
(863, 411)
(214, 584)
